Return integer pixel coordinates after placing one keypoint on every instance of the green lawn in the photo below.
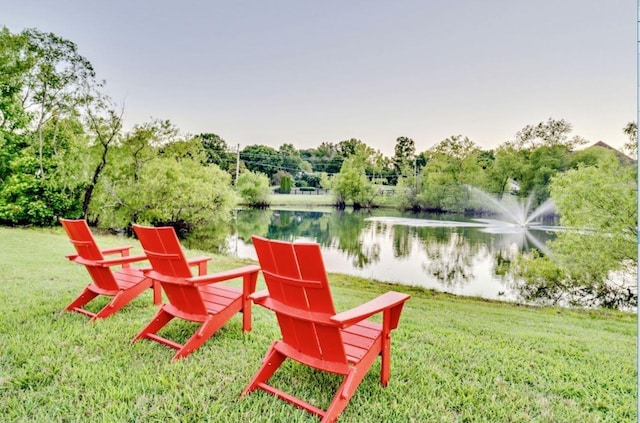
(308, 200)
(453, 359)
(386, 199)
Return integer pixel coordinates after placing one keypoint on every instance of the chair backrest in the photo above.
(170, 267)
(297, 280)
(82, 239)
(85, 245)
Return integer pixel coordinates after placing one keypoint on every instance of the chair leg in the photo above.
(121, 299)
(118, 301)
(272, 361)
(345, 392)
(157, 293)
(84, 298)
(204, 332)
(385, 365)
(158, 322)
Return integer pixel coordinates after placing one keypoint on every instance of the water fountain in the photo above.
(511, 217)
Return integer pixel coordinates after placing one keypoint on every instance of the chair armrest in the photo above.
(384, 302)
(123, 249)
(224, 276)
(109, 262)
(201, 262)
(259, 296)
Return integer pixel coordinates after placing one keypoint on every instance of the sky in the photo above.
(307, 71)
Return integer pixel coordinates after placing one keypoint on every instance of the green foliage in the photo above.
(631, 146)
(325, 158)
(217, 151)
(352, 184)
(599, 206)
(404, 154)
(285, 184)
(261, 159)
(155, 177)
(254, 188)
(169, 190)
(452, 165)
(538, 167)
(551, 133)
(29, 199)
(14, 66)
(290, 160)
(38, 191)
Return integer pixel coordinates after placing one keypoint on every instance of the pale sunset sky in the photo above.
(307, 71)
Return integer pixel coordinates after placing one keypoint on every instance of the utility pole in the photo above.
(237, 163)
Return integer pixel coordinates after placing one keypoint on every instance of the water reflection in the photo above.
(467, 258)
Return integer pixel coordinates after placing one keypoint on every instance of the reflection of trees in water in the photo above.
(253, 222)
(449, 258)
(347, 230)
(339, 230)
(208, 238)
(450, 253)
(402, 239)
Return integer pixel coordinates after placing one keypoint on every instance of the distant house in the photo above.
(621, 156)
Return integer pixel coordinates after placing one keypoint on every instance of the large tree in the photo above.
(159, 177)
(550, 134)
(218, 151)
(587, 262)
(253, 188)
(404, 154)
(262, 159)
(442, 185)
(47, 87)
(352, 184)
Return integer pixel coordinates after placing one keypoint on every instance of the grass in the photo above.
(453, 359)
(312, 200)
(307, 200)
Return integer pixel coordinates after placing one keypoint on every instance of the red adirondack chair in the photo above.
(123, 284)
(197, 299)
(312, 333)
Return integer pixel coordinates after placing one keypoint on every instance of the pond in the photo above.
(454, 254)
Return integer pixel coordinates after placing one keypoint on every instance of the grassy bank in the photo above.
(453, 359)
(316, 200)
(307, 200)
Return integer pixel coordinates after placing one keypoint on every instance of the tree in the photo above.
(599, 205)
(254, 188)
(14, 66)
(452, 165)
(217, 151)
(56, 80)
(262, 159)
(405, 151)
(44, 83)
(538, 167)
(104, 125)
(285, 184)
(549, 134)
(507, 167)
(352, 184)
(631, 130)
(28, 198)
(290, 159)
(156, 177)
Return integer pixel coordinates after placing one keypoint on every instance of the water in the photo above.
(453, 254)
